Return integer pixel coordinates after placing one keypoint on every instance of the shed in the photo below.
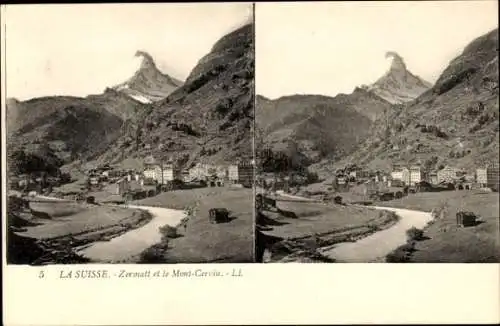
(465, 219)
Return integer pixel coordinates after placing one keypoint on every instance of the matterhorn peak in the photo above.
(398, 64)
(148, 84)
(147, 61)
(398, 84)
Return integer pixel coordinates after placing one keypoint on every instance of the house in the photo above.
(488, 176)
(241, 173)
(409, 176)
(449, 174)
(359, 174)
(402, 174)
(121, 187)
(222, 172)
(470, 178)
(152, 173)
(397, 174)
(199, 171)
(163, 173)
(341, 180)
(171, 172)
(202, 171)
(94, 180)
(417, 175)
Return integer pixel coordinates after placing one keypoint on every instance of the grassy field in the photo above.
(84, 220)
(202, 241)
(448, 243)
(311, 218)
(59, 209)
(298, 230)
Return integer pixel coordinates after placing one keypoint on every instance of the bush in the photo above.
(397, 256)
(401, 254)
(414, 234)
(154, 254)
(168, 231)
(337, 200)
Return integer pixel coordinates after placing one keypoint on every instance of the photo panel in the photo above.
(377, 132)
(129, 135)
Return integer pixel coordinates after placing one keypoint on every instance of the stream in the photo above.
(375, 247)
(134, 241)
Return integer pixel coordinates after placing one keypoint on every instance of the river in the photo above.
(375, 247)
(134, 241)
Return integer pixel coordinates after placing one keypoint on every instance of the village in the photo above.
(386, 186)
(126, 185)
(110, 184)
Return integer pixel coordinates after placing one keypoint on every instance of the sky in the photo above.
(330, 48)
(82, 49)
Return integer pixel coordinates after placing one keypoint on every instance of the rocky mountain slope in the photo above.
(148, 84)
(209, 117)
(73, 127)
(455, 122)
(398, 84)
(319, 127)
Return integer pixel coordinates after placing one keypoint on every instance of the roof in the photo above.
(150, 160)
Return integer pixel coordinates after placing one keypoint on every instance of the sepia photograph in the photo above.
(129, 131)
(377, 132)
(191, 150)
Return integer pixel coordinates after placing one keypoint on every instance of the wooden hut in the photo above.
(465, 219)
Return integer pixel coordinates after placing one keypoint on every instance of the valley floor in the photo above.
(60, 228)
(201, 241)
(445, 242)
(312, 231)
(300, 231)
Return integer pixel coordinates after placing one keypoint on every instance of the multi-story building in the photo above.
(402, 174)
(488, 176)
(152, 173)
(171, 172)
(397, 174)
(416, 175)
(202, 171)
(359, 174)
(163, 173)
(409, 176)
(241, 173)
(449, 174)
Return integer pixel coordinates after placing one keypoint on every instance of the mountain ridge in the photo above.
(209, 117)
(398, 84)
(453, 123)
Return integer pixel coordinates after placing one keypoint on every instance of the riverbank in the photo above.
(60, 229)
